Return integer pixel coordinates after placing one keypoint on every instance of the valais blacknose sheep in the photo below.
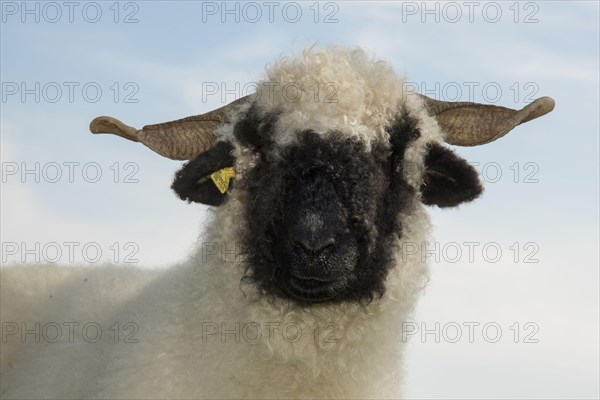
(317, 180)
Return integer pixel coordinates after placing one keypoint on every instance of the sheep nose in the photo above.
(314, 247)
(312, 234)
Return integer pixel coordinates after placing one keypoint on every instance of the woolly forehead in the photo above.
(342, 91)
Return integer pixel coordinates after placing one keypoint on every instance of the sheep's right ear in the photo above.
(193, 182)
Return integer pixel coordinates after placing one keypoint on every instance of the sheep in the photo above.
(318, 194)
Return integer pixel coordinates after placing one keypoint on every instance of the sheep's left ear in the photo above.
(205, 179)
(448, 180)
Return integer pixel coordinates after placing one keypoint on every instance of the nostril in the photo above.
(315, 248)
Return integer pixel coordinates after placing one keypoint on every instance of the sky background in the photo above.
(154, 61)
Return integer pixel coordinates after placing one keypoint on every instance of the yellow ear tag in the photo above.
(221, 178)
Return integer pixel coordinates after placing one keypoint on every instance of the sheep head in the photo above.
(324, 187)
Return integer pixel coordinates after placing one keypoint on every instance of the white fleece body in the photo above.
(262, 349)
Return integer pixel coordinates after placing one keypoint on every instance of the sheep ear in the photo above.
(448, 180)
(473, 124)
(182, 139)
(196, 181)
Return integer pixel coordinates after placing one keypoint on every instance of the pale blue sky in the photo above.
(169, 53)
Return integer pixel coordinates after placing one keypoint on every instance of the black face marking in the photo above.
(192, 182)
(320, 221)
(448, 180)
(253, 131)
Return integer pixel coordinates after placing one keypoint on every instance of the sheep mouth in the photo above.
(309, 290)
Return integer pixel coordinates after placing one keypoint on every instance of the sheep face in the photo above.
(317, 218)
(321, 215)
